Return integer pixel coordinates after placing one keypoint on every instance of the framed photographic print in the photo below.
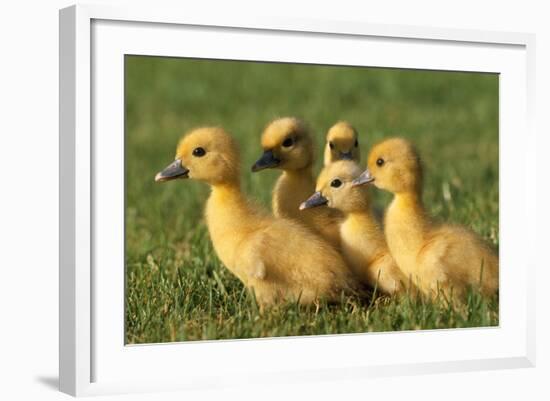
(279, 200)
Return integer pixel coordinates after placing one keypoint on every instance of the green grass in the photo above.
(177, 289)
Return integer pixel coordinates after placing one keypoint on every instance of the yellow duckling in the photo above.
(363, 243)
(435, 256)
(277, 258)
(288, 146)
(342, 143)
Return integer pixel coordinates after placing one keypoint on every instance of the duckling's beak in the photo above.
(365, 178)
(346, 155)
(268, 160)
(317, 199)
(173, 171)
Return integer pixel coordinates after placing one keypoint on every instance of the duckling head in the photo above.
(336, 190)
(287, 145)
(208, 154)
(342, 143)
(393, 165)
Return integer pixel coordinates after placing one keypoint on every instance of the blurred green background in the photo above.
(176, 287)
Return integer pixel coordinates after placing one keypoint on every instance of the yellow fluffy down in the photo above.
(363, 244)
(342, 143)
(437, 257)
(277, 258)
(296, 182)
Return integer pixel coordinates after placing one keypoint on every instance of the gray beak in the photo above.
(365, 178)
(345, 155)
(173, 171)
(314, 200)
(268, 160)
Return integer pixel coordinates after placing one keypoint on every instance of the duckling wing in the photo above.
(296, 260)
(251, 258)
(458, 256)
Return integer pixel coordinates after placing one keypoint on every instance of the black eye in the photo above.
(288, 142)
(356, 143)
(199, 152)
(331, 145)
(335, 183)
(380, 162)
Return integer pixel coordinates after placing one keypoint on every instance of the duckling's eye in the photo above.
(199, 152)
(288, 142)
(380, 162)
(335, 183)
(356, 143)
(331, 145)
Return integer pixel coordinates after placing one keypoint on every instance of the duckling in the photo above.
(342, 143)
(288, 146)
(437, 257)
(363, 244)
(278, 259)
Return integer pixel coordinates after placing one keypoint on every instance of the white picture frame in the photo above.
(93, 357)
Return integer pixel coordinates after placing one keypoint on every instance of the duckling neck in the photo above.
(408, 201)
(302, 174)
(227, 204)
(361, 231)
(229, 218)
(405, 226)
(365, 218)
(232, 190)
(291, 189)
